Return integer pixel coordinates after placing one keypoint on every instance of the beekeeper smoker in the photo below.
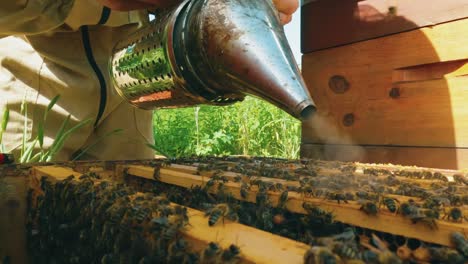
(62, 47)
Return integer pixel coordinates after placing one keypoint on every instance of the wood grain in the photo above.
(331, 23)
(428, 68)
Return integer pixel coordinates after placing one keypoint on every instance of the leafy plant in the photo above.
(27, 149)
(253, 127)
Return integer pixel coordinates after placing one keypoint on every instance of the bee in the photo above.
(304, 171)
(455, 214)
(159, 223)
(367, 196)
(283, 199)
(157, 174)
(211, 253)
(275, 187)
(445, 255)
(369, 256)
(316, 212)
(412, 211)
(297, 189)
(210, 183)
(336, 196)
(182, 213)
(177, 251)
(460, 179)
(231, 255)
(460, 243)
(220, 211)
(266, 218)
(320, 255)
(392, 204)
(345, 250)
(368, 207)
(237, 178)
(171, 232)
(384, 255)
(244, 190)
(440, 176)
(262, 198)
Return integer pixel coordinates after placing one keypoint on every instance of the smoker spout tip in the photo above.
(307, 112)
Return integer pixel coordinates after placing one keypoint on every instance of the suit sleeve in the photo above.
(28, 17)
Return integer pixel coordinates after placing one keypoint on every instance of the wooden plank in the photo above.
(328, 172)
(13, 206)
(57, 173)
(428, 69)
(331, 23)
(412, 156)
(347, 213)
(256, 246)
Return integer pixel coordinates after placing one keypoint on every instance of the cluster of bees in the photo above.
(375, 190)
(88, 220)
(398, 192)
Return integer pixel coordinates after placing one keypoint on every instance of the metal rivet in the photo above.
(338, 84)
(348, 120)
(394, 92)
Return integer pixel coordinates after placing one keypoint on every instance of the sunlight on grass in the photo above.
(252, 127)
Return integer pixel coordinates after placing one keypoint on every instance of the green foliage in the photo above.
(27, 149)
(3, 126)
(253, 127)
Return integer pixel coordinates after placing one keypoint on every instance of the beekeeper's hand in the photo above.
(286, 9)
(127, 5)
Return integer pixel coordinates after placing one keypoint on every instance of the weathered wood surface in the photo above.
(13, 206)
(419, 156)
(347, 213)
(331, 23)
(256, 246)
(405, 90)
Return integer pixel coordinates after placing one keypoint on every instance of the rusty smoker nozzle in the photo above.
(211, 52)
(239, 45)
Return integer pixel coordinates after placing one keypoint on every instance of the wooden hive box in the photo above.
(389, 79)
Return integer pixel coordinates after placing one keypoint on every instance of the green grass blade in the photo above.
(5, 119)
(35, 158)
(40, 127)
(59, 134)
(24, 111)
(26, 156)
(40, 134)
(99, 139)
(51, 104)
(61, 138)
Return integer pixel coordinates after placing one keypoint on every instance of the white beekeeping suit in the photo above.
(63, 47)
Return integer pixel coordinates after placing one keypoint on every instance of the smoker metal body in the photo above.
(210, 52)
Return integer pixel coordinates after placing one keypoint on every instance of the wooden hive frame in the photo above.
(349, 213)
(257, 246)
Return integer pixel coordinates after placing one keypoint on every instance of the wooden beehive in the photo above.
(257, 246)
(389, 79)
